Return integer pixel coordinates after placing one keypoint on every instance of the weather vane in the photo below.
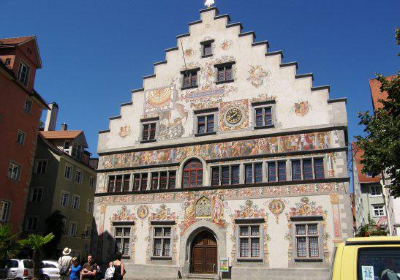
(209, 3)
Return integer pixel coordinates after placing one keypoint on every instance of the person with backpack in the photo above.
(64, 263)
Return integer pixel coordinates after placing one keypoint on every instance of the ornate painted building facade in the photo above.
(226, 156)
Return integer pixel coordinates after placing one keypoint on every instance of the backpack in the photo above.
(109, 273)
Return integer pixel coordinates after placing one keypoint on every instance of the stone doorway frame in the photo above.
(187, 240)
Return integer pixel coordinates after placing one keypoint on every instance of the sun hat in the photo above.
(66, 251)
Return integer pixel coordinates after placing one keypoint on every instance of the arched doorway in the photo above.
(204, 253)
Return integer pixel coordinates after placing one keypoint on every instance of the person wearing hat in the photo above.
(75, 270)
(64, 263)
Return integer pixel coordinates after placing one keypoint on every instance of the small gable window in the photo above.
(149, 131)
(225, 72)
(190, 79)
(23, 74)
(207, 48)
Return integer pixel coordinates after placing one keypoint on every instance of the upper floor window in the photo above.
(14, 170)
(193, 174)
(376, 191)
(253, 173)
(140, 181)
(27, 106)
(72, 228)
(163, 180)
(225, 175)
(190, 78)
(31, 223)
(78, 176)
(225, 72)
(92, 182)
(207, 48)
(66, 146)
(77, 151)
(122, 240)
(205, 124)
(64, 199)
(4, 210)
(162, 242)
(378, 210)
(307, 239)
(149, 131)
(75, 202)
(263, 116)
(89, 207)
(119, 183)
(277, 171)
(249, 242)
(36, 195)
(308, 169)
(23, 74)
(20, 137)
(68, 172)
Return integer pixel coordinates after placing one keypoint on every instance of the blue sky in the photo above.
(95, 52)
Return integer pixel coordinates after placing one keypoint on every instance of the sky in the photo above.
(95, 52)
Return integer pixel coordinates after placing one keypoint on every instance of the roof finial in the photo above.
(209, 3)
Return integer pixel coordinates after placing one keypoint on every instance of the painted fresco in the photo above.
(261, 146)
(302, 108)
(226, 45)
(277, 206)
(234, 115)
(159, 99)
(306, 208)
(258, 76)
(123, 215)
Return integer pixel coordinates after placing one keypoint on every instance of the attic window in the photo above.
(23, 74)
(207, 48)
(7, 62)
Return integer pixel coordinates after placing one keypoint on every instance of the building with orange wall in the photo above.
(20, 110)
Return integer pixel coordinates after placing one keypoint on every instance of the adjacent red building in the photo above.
(20, 110)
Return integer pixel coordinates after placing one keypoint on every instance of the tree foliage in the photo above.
(382, 141)
(9, 245)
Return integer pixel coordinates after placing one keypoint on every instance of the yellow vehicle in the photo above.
(367, 258)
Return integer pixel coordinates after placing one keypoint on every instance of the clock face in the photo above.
(233, 116)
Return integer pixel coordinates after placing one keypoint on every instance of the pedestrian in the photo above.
(89, 269)
(64, 263)
(119, 268)
(75, 269)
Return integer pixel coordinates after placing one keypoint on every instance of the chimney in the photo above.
(64, 127)
(51, 118)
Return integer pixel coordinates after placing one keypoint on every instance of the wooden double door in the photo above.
(204, 254)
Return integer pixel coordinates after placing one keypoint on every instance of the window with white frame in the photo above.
(77, 151)
(40, 166)
(376, 191)
(162, 241)
(72, 228)
(23, 74)
(92, 182)
(36, 195)
(78, 176)
(253, 173)
(205, 124)
(66, 146)
(31, 223)
(27, 106)
(378, 210)
(263, 116)
(75, 202)
(149, 131)
(20, 137)
(89, 207)
(249, 237)
(14, 171)
(225, 175)
(122, 236)
(64, 199)
(307, 239)
(4, 210)
(68, 172)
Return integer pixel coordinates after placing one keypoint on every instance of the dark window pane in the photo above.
(136, 182)
(235, 175)
(282, 171)
(314, 248)
(163, 180)
(143, 184)
(258, 176)
(255, 247)
(319, 168)
(296, 170)
(194, 79)
(153, 131)
(244, 247)
(111, 181)
(154, 181)
(259, 117)
(221, 74)
(207, 49)
(228, 73)
(268, 116)
(307, 169)
(225, 175)
(248, 174)
(210, 123)
(127, 180)
(193, 174)
(215, 176)
(301, 247)
(271, 172)
(201, 127)
(118, 184)
(172, 180)
(145, 135)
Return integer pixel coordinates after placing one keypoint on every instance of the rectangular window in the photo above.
(224, 73)
(189, 79)
(119, 183)
(20, 137)
(89, 207)
(162, 242)
(40, 167)
(249, 241)
(122, 238)
(263, 116)
(75, 202)
(307, 169)
(379, 210)
(163, 180)
(380, 261)
(31, 223)
(92, 182)
(66, 146)
(77, 151)
(319, 168)
(27, 106)
(78, 176)
(14, 170)
(140, 182)
(68, 172)
(23, 74)
(253, 173)
(207, 49)
(154, 181)
(225, 175)
(282, 171)
(88, 231)
(172, 180)
(271, 172)
(4, 210)
(72, 228)
(376, 191)
(205, 124)
(307, 240)
(296, 170)
(64, 199)
(36, 195)
(149, 131)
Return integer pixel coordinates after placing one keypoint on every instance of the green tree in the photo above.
(36, 242)
(54, 224)
(9, 246)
